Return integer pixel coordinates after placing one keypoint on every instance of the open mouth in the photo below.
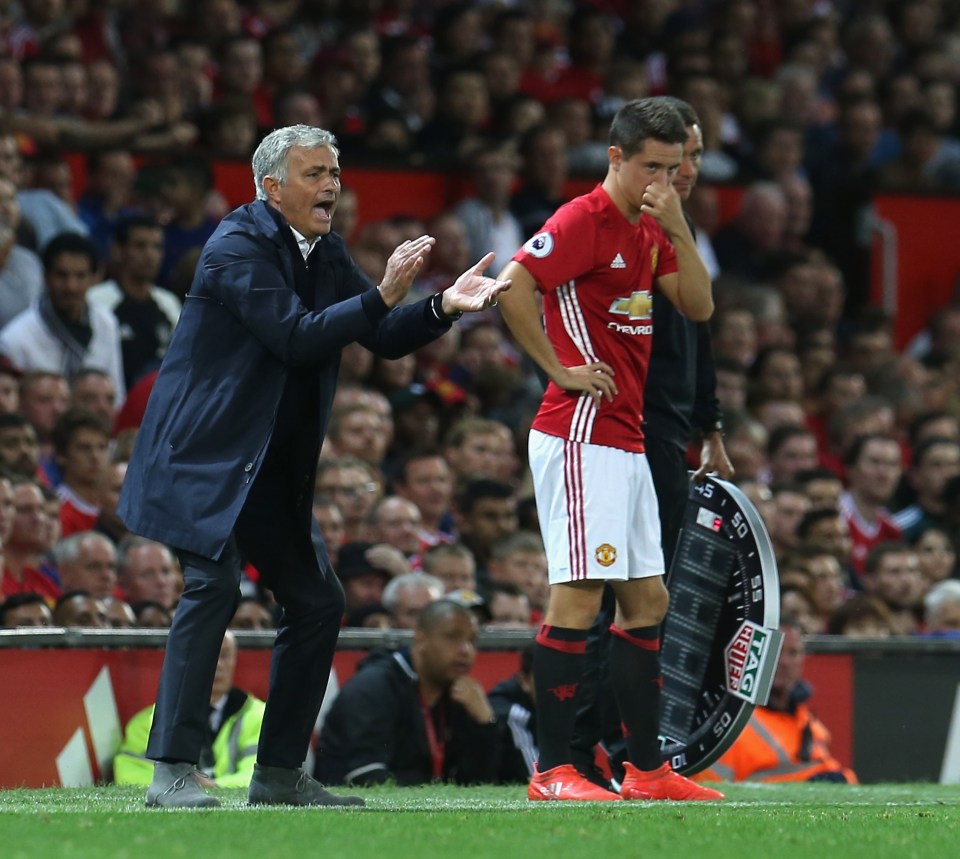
(325, 209)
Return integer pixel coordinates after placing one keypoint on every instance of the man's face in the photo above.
(93, 570)
(398, 523)
(939, 464)
(508, 611)
(790, 667)
(83, 611)
(410, 602)
(526, 570)
(119, 614)
(797, 453)
(43, 401)
(685, 179)
(7, 511)
(11, 164)
(477, 456)
(30, 518)
(141, 256)
(151, 575)
(429, 485)
(824, 492)
(29, 615)
(897, 579)
(85, 462)
(457, 572)
(363, 589)
(447, 651)
(330, 520)
(309, 195)
(490, 520)
(68, 278)
(947, 619)
(876, 473)
(655, 163)
(96, 394)
(352, 489)
(19, 451)
(788, 510)
(252, 615)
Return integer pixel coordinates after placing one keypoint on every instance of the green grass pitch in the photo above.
(813, 821)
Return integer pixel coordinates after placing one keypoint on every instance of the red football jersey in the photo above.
(596, 271)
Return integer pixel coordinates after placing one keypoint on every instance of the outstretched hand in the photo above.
(713, 459)
(473, 291)
(404, 265)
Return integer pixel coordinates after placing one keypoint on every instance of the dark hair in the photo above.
(858, 607)
(881, 551)
(70, 422)
(782, 434)
(686, 111)
(921, 450)
(852, 453)
(129, 223)
(12, 420)
(477, 490)
(438, 610)
(645, 118)
(812, 517)
(15, 601)
(70, 243)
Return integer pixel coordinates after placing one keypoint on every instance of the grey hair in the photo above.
(409, 582)
(68, 549)
(947, 591)
(132, 542)
(271, 156)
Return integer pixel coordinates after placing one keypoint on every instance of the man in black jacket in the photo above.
(414, 716)
(224, 463)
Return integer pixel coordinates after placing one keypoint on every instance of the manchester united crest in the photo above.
(605, 554)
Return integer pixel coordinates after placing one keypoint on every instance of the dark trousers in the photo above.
(598, 719)
(270, 535)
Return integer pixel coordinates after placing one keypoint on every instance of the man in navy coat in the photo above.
(223, 466)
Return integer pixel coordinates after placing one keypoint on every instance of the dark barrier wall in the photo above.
(893, 707)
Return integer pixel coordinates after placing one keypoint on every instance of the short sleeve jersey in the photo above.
(596, 271)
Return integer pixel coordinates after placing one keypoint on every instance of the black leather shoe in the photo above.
(281, 786)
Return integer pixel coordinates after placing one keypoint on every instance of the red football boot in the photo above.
(566, 783)
(663, 783)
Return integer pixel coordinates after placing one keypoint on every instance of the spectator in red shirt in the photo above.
(81, 441)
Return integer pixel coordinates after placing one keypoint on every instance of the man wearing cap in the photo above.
(362, 575)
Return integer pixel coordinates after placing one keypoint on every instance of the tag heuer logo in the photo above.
(606, 555)
(744, 658)
(638, 305)
(618, 262)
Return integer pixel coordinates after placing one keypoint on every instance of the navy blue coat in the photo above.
(212, 411)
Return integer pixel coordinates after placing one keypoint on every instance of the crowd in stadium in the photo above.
(849, 448)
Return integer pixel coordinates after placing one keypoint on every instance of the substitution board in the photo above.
(720, 641)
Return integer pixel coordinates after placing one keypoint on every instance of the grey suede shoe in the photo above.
(281, 786)
(176, 786)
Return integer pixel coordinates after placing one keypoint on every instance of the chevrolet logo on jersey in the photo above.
(637, 305)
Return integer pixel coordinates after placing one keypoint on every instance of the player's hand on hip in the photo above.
(472, 291)
(595, 379)
(405, 263)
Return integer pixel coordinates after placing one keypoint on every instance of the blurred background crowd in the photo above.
(115, 113)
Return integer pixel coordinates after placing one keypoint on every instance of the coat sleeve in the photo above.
(244, 276)
(474, 755)
(706, 406)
